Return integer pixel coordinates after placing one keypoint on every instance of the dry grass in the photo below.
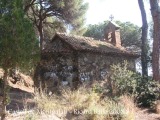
(46, 103)
(85, 104)
(128, 103)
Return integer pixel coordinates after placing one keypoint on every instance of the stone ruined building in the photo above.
(70, 59)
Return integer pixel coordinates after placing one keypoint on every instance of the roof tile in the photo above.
(81, 43)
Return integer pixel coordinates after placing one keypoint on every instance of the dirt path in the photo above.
(144, 114)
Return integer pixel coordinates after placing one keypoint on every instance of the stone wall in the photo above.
(58, 66)
(56, 69)
(94, 66)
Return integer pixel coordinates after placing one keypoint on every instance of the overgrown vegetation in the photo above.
(83, 103)
(124, 81)
(16, 50)
(147, 92)
(112, 99)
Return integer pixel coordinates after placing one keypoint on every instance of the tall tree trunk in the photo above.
(144, 53)
(5, 92)
(155, 11)
(40, 27)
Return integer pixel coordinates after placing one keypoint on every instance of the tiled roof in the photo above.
(81, 43)
(116, 25)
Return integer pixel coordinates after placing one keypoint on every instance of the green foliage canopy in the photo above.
(130, 33)
(53, 15)
(18, 45)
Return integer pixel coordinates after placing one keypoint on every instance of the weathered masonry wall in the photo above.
(56, 66)
(60, 65)
(56, 69)
(94, 66)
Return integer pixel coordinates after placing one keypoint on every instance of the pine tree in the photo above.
(144, 48)
(70, 13)
(155, 11)
(18, 46)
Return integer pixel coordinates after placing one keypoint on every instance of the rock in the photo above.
(85, 59)
(64, 83)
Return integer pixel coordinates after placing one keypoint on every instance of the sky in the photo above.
(123, 10)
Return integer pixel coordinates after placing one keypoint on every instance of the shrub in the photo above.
(122, 80)
(98, 89)
(147, 92)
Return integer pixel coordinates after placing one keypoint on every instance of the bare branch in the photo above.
(29, 5)
(34, 15)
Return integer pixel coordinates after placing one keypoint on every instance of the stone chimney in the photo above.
(112, 34)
